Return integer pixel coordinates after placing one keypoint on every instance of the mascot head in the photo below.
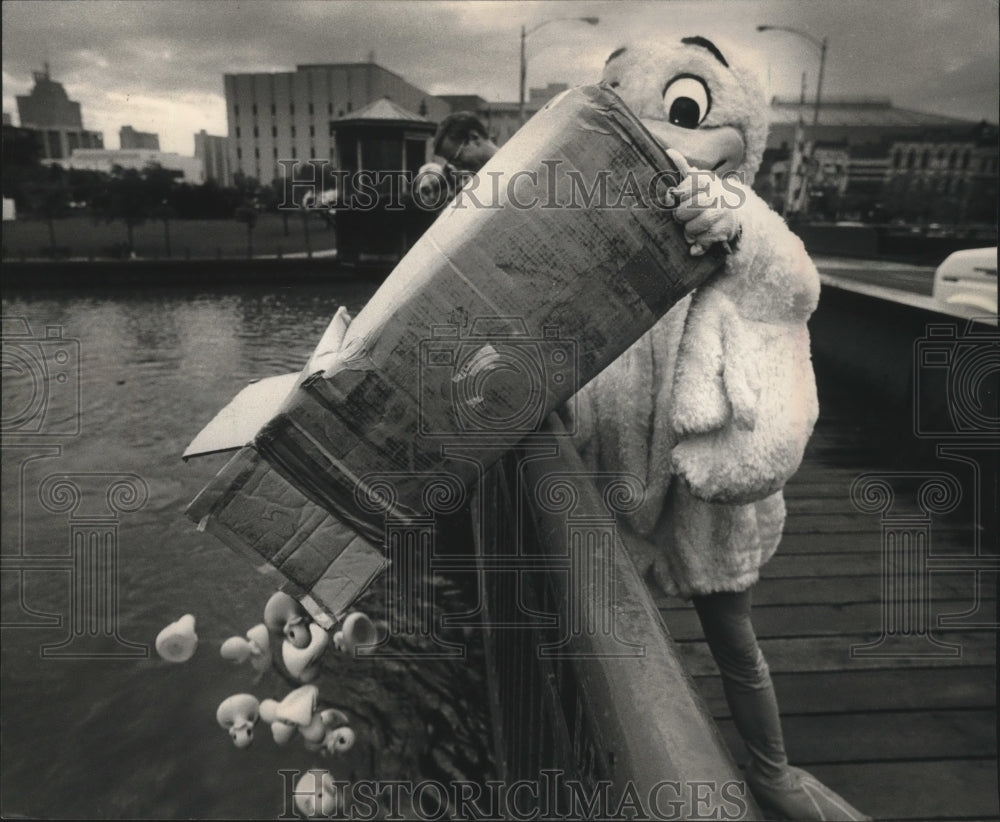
(696, 97)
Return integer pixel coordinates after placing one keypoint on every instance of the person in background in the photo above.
(464, 145)
(463, 142)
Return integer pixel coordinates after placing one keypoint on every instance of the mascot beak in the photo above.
(720, 150)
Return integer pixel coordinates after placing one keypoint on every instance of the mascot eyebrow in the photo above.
(614, 54)
(705, 44)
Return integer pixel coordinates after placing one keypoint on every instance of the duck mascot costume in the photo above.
(712, 408)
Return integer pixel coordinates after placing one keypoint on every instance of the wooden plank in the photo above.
(813, 501)
(942, 541)
(822, 498)
(834, 654)
(936, 789)
(832, 692)
(827, 521)
(855, 563)
(795, 490)
(811, 620)
(785, 565)
(837, 451)
(880, 737)
(844, 475)
(851, 589)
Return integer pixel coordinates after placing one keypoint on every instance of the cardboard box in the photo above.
(538, 275)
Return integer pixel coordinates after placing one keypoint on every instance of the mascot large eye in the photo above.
(686, 101)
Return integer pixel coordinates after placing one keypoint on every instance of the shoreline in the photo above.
(99, 273)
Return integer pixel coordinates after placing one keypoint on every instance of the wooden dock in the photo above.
(901, 738)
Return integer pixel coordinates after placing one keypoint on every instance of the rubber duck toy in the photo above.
(238, 714)
(324, 730)
(287, 616)
(316, 795)
(178, 641)
(357, 631)
(339, 741)
(256, 647)
(305, 640)
(304, 663)
(281, 729)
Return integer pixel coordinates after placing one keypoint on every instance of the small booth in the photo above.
(377, 221)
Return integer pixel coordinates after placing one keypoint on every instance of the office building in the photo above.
(288, 115)
(213, 152)
(48, 110)
(128, 137)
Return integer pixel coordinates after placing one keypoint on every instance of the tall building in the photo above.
(214, 155)
(288, 115)
(48, 110)
(128, 137)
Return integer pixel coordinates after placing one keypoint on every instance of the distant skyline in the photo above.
(158, 65)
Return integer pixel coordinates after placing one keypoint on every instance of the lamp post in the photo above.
(821, 45)
(592, 21)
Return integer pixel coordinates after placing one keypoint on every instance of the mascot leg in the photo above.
(781, 790)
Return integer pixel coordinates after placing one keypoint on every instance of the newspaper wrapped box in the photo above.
(543, 270)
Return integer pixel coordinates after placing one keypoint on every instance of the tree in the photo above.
(272, 198)
(249, 190)
(48, 198)
(22, 152)
(305, 230)
(165, 213)
(247, 186)
(160, 183)
(134, 196)
(125, 197)
(247, 213)
(85, 185)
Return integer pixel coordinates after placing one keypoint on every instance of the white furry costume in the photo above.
(713, 407)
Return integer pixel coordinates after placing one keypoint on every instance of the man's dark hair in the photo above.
(457, 127)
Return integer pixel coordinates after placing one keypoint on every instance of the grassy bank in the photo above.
(82, 237)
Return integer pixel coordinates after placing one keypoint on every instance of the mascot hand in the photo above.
(704, 206)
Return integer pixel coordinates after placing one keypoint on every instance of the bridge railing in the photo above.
(591, 702)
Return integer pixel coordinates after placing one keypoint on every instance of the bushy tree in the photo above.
(47, 197)
(135, 196)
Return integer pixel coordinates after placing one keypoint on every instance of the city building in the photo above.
(48, 110)
(214, 155)
(866, 157)
(128, 137)
(288, 115)
(186, 169)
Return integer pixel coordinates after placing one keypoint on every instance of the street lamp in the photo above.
(592, 21)
(821, 45)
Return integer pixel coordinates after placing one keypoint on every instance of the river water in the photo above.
(130, 381)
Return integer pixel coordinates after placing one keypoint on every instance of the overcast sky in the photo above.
(157, 65)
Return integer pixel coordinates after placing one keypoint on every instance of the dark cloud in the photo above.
(166, 59)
